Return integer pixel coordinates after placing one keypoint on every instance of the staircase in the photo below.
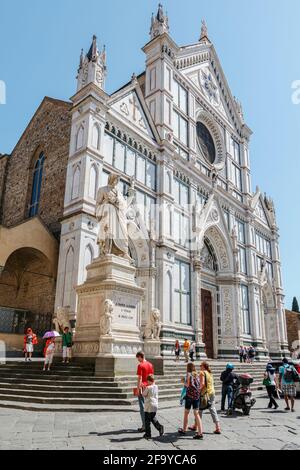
(73, 387)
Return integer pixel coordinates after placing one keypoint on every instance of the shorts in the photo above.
(29, 348)
(49, 358)
(67, 352)
(289, 389)
(189, 403)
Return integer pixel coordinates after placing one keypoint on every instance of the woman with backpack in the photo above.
(271, 384)
(207, 396)
(288, 376)
(192, 400)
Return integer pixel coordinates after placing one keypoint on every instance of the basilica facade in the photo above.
(204, 244)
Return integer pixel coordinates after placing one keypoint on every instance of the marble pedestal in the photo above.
(112, 278)
(153, 355)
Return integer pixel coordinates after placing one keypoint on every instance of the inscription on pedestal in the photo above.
(125, 311)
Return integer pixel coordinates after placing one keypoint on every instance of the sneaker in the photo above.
(146, 437)
(287, 408)
(141, 430)
(162, 430)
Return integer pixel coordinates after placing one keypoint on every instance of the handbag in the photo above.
(205, 402)
(136, 391)
(266, 382)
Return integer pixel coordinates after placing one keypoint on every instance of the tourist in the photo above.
(227, 378)
(150, 395)
(30, 340)
(245, 357)
(287, 383)
(186, 348)
(241, 353)
(67, 343)
(192, 398)
(49, 354)
(271, 384)
(251, 354)
(207, 388)
(177, 350)
(192, 351)
(144, 369)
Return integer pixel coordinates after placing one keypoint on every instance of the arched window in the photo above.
(96, 137)
(88, 258)
(68, 277)
(168, 297)
(36, 185)
(93, 182)
(79, 137)
(76, 183)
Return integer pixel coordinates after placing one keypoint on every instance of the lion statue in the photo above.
(61, 319)
(153, 327)
(106, 318)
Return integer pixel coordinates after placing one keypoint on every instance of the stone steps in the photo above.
(73, 387)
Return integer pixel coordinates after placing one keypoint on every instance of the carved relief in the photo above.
(217, 241)
(61, 319)
(106, 318)
(86, 347)
(227, 311)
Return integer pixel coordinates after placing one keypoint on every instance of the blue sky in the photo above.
(258, 45)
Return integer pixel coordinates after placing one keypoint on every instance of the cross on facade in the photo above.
(135, 107)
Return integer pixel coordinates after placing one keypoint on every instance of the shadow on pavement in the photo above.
(116, 433)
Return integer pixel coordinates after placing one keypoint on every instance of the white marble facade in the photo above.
(178, 133)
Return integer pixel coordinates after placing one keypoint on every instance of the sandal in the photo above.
(198, 436)
(181, 431)
(192, 428)
(217, 431)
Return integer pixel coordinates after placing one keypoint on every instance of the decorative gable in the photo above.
(129, 108)
(260, 212)
(204, 79)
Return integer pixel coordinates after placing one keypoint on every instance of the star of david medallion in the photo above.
(209, 87)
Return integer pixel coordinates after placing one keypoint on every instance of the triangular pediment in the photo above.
(261, 212)
(259, 208)
(129, 106)
(200, 64)
(210, 215)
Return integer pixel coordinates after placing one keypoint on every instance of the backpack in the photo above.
(288, 374)
(193, 390)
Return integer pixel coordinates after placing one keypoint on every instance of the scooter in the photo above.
(242, 394)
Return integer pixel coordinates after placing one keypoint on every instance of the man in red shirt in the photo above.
(144, 369)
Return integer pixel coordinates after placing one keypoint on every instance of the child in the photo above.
(49, 353)
(67, 345)
(151, 406)
(30, 339)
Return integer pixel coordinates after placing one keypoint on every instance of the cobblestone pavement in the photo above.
(264, 429)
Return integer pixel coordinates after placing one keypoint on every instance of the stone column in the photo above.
(196, 295)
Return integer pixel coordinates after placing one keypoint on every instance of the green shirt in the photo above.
(67, 339)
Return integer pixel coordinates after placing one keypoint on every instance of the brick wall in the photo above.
(4, 160)
(48, 132)
(293, 326)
